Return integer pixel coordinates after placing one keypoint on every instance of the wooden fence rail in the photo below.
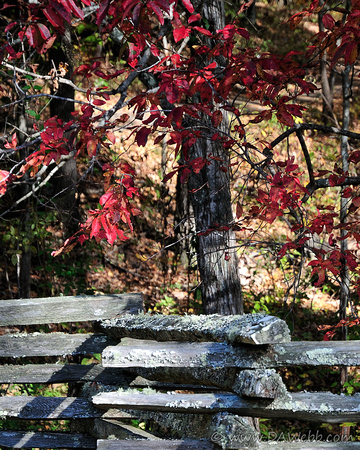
(238, 354)
(202, 378)
(19, 350)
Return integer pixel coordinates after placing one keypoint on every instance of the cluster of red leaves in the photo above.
(116, 208)
(53, 145)
(332, 328)
(339, 40)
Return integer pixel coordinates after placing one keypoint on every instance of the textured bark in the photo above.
(66, 179)
(211, 200)
(327, 80)
(24, 259)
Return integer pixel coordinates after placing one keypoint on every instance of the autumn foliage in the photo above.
(200, 76)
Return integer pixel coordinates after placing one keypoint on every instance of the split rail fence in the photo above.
(200, 381)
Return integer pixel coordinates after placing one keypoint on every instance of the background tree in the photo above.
(201, 68)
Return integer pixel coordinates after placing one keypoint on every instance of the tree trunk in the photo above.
(251, 13)
(211, 201)
(66, 179)
(24, 258)
(327, 81)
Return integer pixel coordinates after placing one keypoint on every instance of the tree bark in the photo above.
(327, 81)
(24, 259)
(66, 179)
(211, 201)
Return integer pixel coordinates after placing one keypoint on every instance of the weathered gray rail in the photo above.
(20, 350)
(238, 354)
(218, 372)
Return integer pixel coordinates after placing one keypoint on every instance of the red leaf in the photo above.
(121, 235)
(4, 178)
(351, 261)
(333, 180)
(194, 18)
(355, 157)
(111, 136)
(98, 102)
(347, 193)
(91, 147)
(243, 32)
(284, 117)
(142, 136)
(45, 33)
(95, 227)
(44, 47)
(264, 115)
(180, 33)
(351, 52)
(172, 92)
(216, 118)
(185, 173)
(295, 110)
(188, 6)
(62, 9)
(76, 10)
(30, 33)
(169, 175)
(239, 210)
(164, 5)
(8, 27)
(328, 21)
(329, 335)
(154, 50)
(153, 6)
(102, 11)
(13, 143)
(356, 201)
(54, 18)
(203, 31)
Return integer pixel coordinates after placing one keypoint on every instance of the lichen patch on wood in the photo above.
(255, 329)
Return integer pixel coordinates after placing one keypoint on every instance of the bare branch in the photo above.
(46, 77)
(307, 156)
(315, 127)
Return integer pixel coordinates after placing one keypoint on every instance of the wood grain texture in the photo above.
(36, 311)
(253, 329)
(203, 445)
(24, 439)
(21, 345)
(154, 445)
(27, 407)
(60, 373)
(260, 383)
(315, 406)
(120, 430)
(217, 355)
(278, 445)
